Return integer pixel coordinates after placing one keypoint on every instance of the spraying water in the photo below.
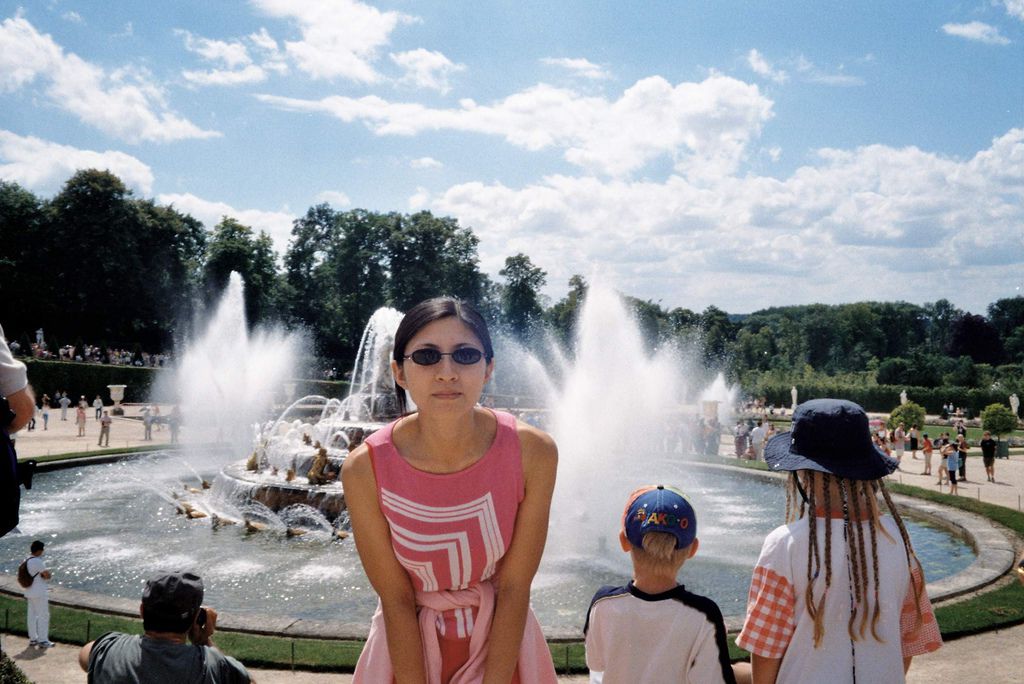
(228, 377)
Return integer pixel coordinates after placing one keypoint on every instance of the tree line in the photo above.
(97, 264)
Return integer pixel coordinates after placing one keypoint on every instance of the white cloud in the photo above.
(583, 68)
(760, 66)
(1015, 8)
(978, 31)
(811, 73)
(704, 127)
(277, 224)
(334, 197)
(340, 38)
(42, 165)
(226, 77)
(232, 54)
(420, 199)
(237, 66)
(426, 69)
(425, 163)
(73, 17)
(123, 103)
(830, 232)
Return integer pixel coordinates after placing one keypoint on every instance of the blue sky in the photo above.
(741, 154)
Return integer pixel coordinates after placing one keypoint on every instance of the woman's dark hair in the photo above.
(425, 313)
(36, 546)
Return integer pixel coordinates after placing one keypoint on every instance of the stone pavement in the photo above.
(62, 436)
(990, 658)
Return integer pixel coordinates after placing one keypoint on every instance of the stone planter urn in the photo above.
(116, 395)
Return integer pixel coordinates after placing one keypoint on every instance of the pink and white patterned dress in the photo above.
(450, 530)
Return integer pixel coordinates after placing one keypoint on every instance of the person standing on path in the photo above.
(44, 406)
(37, 596)
(914, 432)
(988, 455)
(64, 403)
(899, 440)
(97, 404)
(926, 450)
(962, 449)
(80, 420)
(105, 422)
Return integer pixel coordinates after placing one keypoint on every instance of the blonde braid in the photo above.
(861, 504)
(813, 559)
(875, 526)
(911, 556)
(853, 566)
(819, 611)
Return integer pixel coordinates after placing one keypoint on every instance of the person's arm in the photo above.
(389, 579)
(764, 670)
(519, 564)
(83, 656)
(23, 403)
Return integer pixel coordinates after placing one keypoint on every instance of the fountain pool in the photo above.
(108, 527)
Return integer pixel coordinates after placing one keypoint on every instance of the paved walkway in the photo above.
(988, 658)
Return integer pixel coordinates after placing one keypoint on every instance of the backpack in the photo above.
(24, 578)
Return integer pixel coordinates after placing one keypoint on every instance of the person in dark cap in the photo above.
(838, 594)
(172, 616)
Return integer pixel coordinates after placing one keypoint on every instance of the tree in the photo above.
(1006, 315)
(998, 419)
(520, 296)
(431, 256)
(565, 313)
(973, 336)
(909, 414)
(23, 274)
(234, 247)
(718, 332)
(893, 372)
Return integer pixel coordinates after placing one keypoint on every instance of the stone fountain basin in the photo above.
(274, 492)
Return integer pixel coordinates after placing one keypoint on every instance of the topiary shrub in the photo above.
(909, 414)
(998, 419)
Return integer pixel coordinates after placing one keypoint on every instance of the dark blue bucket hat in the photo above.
(830, 436)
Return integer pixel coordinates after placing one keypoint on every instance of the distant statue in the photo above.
(1014, 403)
(903, 397)
(792, 395)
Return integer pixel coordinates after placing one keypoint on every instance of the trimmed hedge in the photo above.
(90, 379)
(882, 398)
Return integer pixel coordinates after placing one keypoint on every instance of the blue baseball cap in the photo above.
(657, 508)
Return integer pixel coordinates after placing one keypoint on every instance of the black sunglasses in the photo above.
(464, 356)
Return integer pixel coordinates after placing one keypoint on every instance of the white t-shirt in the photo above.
(757, 435)
(778, 625)
(671, 637)
(40, 587)
(13, 375)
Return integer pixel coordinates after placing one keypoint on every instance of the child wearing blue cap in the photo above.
(653, 629)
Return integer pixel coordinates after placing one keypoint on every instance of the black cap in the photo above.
(830, 436)
(170, 601)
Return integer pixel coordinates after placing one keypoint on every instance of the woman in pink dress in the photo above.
(449, 509)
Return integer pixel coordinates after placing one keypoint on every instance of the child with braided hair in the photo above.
(838, 594)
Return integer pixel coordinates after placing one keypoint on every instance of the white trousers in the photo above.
(38, 618)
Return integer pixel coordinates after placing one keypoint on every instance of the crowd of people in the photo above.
(89, 353)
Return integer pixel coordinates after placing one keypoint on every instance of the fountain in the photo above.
(269, 534)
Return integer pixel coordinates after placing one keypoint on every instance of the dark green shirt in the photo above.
(131, 659)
